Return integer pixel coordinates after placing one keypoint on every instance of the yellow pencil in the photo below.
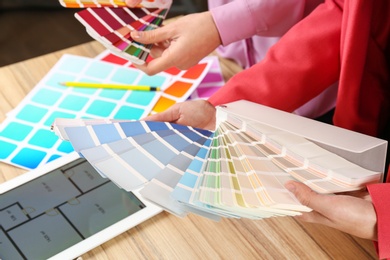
(110, 86)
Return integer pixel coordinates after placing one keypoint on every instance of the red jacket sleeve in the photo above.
(380, 195)
(299, 67)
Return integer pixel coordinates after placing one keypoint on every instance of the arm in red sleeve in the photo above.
(299, 67)
(380, 195)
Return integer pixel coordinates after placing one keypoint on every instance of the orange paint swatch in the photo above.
(178, 88)
(163, 104)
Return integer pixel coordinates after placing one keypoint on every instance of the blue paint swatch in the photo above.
(73, 64)
(101, 108)
(47, 97)
(127, 112)
(44, 138)
(65, 147)
(6, 149)
(32, 114)
(115, 94)
(141, 97)
(106, 133)
(73, 103)
(123, 76)
(154, 81)
(132, 128)
(99, 70)
(29, 158)
(16, 131)
(55, 80)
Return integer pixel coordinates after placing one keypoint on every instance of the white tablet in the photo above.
(64, 209)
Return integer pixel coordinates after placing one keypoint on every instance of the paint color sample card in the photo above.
(238, 170)
(25, 136)
(111, 23)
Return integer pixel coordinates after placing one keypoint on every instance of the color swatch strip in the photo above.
(158, 189)
(112, 28)
(111, 22)
(138, 146)
(113, 3)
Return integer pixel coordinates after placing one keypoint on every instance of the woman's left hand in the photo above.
(347, 213)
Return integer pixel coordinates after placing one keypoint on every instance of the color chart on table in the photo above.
(25, 137)
(238, 170)
(111, 22)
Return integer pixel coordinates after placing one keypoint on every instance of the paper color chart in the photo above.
(25, 136)
(239, 170)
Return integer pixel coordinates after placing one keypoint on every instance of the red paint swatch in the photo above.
(195, 72)
(115, 59)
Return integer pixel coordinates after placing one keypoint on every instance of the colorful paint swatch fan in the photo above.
(238, 170)
(110, 22)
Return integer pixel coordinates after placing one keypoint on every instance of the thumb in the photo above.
(133, 3)
(172, 114)
(150, 37)
(304, 194)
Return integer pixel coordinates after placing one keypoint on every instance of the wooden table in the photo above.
(169, 237)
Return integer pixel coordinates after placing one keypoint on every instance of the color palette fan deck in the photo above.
(111, 22)
(238, 170)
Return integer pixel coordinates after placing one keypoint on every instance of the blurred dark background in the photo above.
(30, 28)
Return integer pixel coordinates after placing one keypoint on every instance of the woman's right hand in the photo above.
(133, 3)
(195, 113)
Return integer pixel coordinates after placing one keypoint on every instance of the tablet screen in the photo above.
(49, 214)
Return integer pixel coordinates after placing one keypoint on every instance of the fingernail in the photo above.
(136, 34)
(290, 186)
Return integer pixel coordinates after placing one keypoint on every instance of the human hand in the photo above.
(133, 3)
(195, 113)
(182, 43)
(350, 214)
